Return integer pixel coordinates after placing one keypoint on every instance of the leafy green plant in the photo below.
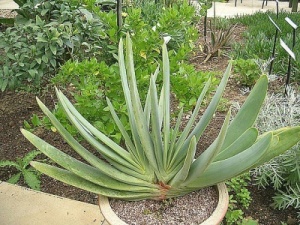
(239, 198)
(30, 175)
(246, 71)
(37, 48)
(158, 162)
(91, 81)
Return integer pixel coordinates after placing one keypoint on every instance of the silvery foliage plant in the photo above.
(282, 172)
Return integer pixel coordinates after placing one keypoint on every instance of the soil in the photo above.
(15, 107)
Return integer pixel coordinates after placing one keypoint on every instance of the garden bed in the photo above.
(15, 107)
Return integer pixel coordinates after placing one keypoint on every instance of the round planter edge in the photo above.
(215, 218)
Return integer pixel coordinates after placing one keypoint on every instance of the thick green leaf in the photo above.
(192, 120)
(205, 119)
(155, 126)
(207, 157)
(147, 107)
(129, 144)
(287, 138)
(166, 103)
(246, 140)
(132, 121)
(231, 167)
(141, 122)
(115, 154)
(74, 180)
(81, 169)
(184, 171)
(248, 112)
(85, 154)
(174, 137)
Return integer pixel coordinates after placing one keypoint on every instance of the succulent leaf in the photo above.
(159, 160)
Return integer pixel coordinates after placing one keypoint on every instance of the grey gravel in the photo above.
(192, 208)
(7, 13)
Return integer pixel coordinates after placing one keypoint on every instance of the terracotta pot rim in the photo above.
(215, 218)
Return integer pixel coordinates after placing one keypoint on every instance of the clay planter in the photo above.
(215, 218)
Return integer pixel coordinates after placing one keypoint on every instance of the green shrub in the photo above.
(246, 71)
(38, 47)
(239, 199)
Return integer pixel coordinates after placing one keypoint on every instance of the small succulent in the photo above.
(159, 161)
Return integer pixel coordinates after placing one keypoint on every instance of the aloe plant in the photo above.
(158, 161)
